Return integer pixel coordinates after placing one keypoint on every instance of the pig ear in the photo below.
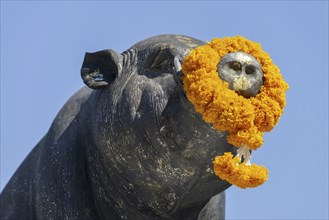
(101, 68)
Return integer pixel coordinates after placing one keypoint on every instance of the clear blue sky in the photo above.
(42, 49)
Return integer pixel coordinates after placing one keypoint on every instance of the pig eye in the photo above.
(235, 65)
(250, 70)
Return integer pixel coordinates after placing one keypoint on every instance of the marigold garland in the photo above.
(232, 170)
(245, 119)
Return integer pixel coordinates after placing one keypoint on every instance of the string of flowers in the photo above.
(245, 119)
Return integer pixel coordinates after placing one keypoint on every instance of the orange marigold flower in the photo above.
(245, 119)
(253, 138)
(242, 117)
(231, 169)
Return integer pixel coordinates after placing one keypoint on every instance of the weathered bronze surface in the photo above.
(129, 145)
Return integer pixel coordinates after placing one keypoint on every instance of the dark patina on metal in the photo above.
(129, 145)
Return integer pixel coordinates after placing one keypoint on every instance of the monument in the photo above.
(153, 134)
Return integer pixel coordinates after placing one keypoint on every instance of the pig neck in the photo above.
(111, 189)
(108, 187)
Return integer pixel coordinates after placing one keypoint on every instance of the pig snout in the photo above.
(243, 73)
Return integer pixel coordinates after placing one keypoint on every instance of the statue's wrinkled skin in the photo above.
(130, 146)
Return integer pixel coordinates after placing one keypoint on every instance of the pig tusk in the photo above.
(178, 66)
